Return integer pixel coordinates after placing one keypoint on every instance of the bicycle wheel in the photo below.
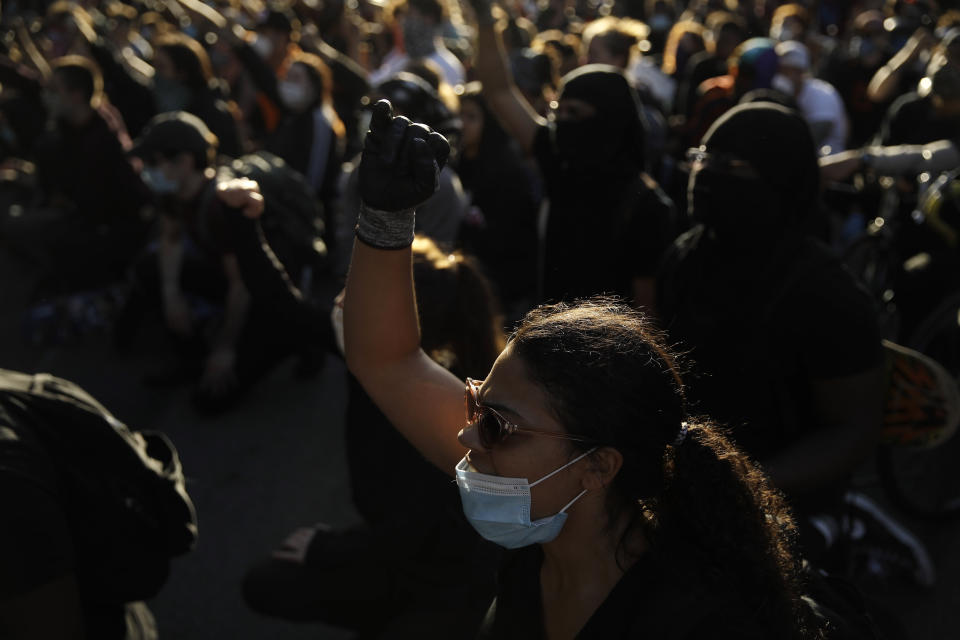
(872, 259)
(920, 470)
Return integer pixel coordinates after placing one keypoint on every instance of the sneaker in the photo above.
(881, 549)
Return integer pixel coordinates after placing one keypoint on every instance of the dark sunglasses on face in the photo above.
(492, 428)
(698, 159)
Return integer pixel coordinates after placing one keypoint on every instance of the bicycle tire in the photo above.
(925, 482)
(871, 260)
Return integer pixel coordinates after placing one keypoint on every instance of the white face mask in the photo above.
(784, 33)
(157, 181)
(499, 508)
(783, 84)
(263, 47)
(295, 97)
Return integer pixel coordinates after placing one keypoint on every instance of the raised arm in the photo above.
(905, 159)
(399, 170)
(506, 102)
(886, 80)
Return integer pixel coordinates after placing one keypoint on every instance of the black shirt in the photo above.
(37, 544)
(603, 230)
(86, 166)
(649, 601)
(761, 328)
(501, 228)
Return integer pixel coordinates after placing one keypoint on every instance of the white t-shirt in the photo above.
(395, 62)
(821, 105)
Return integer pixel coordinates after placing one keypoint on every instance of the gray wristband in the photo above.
(385, 229)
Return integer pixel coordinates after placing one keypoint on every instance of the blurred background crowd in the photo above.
(127, 130)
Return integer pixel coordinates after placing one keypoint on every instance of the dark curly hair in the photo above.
(459, 314)
(702, 505)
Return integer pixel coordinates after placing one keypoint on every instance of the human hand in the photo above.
(219, 375)
(243, 194)
(176, 311)
(401, 161)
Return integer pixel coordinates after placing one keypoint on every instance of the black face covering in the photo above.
(778, 146)
(737, 209)
(611, 141)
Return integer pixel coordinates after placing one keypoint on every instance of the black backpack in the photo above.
(293, 220)
(122, 491)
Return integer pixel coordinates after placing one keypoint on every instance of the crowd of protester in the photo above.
(203, 163)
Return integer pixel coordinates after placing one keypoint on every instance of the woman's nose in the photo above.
(470, 438)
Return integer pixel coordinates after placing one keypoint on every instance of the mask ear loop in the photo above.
(570, 504)
(556, 471)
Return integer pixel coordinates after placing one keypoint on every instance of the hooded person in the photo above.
(608, 221)
(755, 178)
(786, 342)
(599, 127)
(606, 218)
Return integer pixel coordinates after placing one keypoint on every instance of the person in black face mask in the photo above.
(751, 189)
(608, 221)
(786, 342)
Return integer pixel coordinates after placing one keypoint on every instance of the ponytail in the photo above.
(719, 515)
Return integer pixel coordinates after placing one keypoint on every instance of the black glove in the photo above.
(401, 161)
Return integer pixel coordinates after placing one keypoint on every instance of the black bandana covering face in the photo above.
(735, 208)
(611, 141)
(777, 145)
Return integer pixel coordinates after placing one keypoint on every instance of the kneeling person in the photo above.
(212, 246)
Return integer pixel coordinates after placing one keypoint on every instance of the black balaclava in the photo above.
(778, 145)
(611, 142)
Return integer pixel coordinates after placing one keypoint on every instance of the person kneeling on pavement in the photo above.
(212, 250)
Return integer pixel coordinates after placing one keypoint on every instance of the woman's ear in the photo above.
(604, 464)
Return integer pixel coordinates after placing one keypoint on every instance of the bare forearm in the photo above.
(33, 53)
(201, 10)
(886, 80)
(884, 83)
(379, 309)
(491, 63)
(935, 157)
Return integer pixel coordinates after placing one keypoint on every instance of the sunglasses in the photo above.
(698, 159)
(492, 428)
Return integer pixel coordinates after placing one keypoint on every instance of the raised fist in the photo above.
(401, 161)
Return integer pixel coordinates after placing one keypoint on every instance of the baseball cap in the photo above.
(174, 132)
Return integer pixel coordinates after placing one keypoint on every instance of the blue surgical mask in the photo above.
(660, 23)
(499, 508)
(158, 182)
